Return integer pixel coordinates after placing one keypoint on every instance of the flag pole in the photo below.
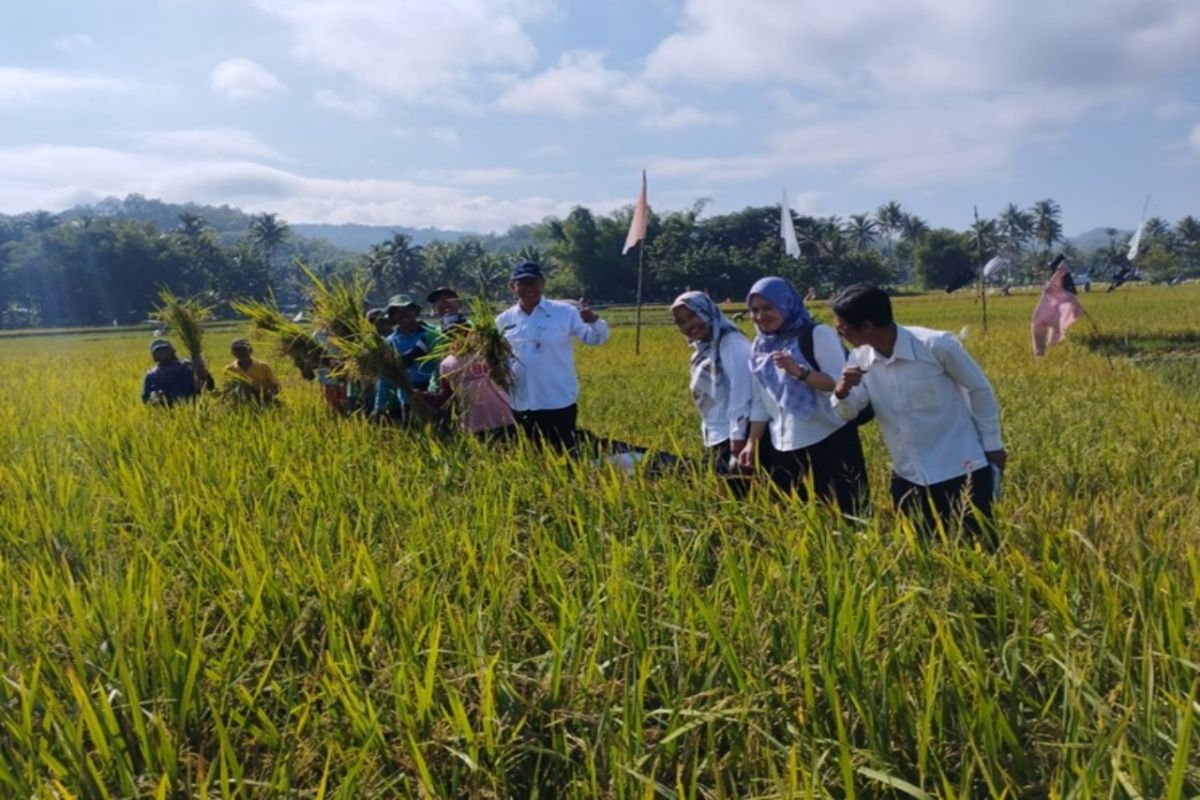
(637, 340)
(982, 282)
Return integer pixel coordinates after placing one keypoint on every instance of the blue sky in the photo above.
(478, 114)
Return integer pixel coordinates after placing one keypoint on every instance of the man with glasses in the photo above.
(935, 407)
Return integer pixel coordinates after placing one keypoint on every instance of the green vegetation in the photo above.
(218, 601)
(107, 264)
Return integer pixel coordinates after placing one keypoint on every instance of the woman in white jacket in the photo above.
(790, 398)
(720, 377)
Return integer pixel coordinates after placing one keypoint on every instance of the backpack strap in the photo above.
(805, 340)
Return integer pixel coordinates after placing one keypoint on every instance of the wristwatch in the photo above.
(804, 373)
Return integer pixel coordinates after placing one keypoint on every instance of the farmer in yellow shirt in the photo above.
(255, 375)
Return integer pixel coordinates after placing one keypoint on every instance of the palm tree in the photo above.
(489, 272)
(913, 228)
(404, 263)
(987, 237)
(861, 230)
(267, 233)
(375, 262)
(890, 217)
(191, 226)
(1046, 226)
(1016, 226)
(1188, 230)
(530, 253)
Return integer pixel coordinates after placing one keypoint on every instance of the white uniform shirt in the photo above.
(934, 405)
(787, 431)
(544, 369)
(728, 415)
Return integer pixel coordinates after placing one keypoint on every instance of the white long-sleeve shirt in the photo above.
(935, 407)
(787, 431)
(544, 369)
(728, 415)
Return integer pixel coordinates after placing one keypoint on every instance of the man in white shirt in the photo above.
(935, 408)
(545, 388)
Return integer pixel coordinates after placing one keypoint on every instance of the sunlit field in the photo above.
(215, 601)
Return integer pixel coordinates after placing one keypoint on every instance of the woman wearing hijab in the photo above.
(790, 397)
(720, 376)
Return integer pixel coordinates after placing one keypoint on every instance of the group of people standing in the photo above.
(789, 402)
(792, 400)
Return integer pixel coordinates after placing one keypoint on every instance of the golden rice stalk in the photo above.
(339, 305)
(182, 318)
(483, 340)
(291, 339)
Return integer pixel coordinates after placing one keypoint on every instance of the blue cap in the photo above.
(526, 269)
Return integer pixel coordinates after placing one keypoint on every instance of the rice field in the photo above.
(215, 601)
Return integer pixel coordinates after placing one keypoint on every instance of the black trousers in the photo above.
(950, 501)
(717, 458)
(554, 427)
(838, 468)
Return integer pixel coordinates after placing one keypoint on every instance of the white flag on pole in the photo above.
(787, 229)
(1135, 242)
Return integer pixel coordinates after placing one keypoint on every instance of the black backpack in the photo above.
(805, 340)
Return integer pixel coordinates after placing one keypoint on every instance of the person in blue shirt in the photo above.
(414, 342)
(170, 379)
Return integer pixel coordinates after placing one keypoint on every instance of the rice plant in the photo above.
(217, 601)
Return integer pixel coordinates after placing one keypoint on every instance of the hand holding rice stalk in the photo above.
(182, 317)
(291, 339)
(339, 307)
(482, 340)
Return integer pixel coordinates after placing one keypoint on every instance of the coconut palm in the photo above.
(890, 217)
(861, 230)
(1047, 228)
(267, 232)
(1188, 230)
(1016, 226)
(404, 263)
(913, 228)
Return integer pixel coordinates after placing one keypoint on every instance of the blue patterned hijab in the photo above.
(795, 397)
(707, 377)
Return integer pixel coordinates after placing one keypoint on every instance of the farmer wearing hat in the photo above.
(545, 387)
(171, 379)
(444, 300)
(257, 376)
(414, 342)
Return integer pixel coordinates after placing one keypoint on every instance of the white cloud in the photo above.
(242, 79)
(20, 85)
(686, 117)
(925, 92)
(363, 107)
(448, 136)
(578, 86)
(412, 49)
(74, 43)
(930, 45)
(204, 142)
(476, 176)
(883, 146)
(550, 151)
(57, 177)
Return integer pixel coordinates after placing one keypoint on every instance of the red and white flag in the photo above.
(637, 226)
(1056, 311)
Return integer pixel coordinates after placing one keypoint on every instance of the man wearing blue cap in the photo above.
(545, 388)
(170, 379)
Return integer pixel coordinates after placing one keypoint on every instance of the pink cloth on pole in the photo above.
(1056, 311)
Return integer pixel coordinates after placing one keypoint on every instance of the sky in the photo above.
(480, 114)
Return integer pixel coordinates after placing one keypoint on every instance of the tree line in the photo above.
(80, 268)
